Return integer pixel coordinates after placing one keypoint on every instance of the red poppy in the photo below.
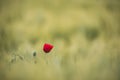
(47, 47)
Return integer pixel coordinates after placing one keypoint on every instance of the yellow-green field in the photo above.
(85, 35)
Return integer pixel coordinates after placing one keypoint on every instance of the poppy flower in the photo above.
(47, 47)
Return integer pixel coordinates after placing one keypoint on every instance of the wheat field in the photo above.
(85, 35)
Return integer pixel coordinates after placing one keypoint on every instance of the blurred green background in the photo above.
(85, 35)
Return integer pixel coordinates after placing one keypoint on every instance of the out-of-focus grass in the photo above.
(85, 35)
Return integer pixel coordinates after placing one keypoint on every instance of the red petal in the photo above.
(47, 48)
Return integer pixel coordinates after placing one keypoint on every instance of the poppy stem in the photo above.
(46, 59)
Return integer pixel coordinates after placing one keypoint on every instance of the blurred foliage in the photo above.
(85, 35)
(91, 34)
